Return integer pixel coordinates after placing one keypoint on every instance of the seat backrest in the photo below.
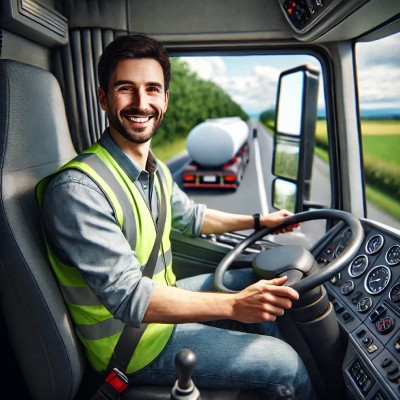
(34, 141)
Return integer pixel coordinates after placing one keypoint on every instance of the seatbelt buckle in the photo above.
(118, 380)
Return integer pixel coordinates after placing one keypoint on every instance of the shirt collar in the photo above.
(126, 163)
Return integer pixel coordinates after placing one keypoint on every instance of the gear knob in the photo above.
(184, 387)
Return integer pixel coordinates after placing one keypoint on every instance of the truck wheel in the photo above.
(239, 177)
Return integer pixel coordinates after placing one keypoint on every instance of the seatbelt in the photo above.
(116, 381)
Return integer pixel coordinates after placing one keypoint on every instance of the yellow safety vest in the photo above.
(96, 327)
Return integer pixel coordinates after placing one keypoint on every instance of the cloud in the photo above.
(379, 73)
(379, 87)
(253, 84)
(254, 91)
(381, 52)
(206, 68)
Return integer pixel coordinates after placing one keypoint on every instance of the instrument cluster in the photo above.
(366, 298)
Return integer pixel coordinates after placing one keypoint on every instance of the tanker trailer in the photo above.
(219, 151)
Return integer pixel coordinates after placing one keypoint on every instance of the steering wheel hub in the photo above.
(279, 260)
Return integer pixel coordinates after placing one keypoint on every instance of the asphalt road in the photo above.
(246, 198)
(254, 192)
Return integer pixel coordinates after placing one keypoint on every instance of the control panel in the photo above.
(303, 14)
(366, 298)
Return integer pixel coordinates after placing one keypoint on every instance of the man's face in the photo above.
(136, 99)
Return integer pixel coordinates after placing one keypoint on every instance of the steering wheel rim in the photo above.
(316, 279)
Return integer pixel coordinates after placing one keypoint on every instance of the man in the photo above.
(100, 213)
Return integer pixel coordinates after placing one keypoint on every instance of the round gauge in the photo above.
(364, 305)
(393, 255)
(344, 241)
(377, 279)
(358, 266)
(347, 287)
(374, 244)
(394, 293)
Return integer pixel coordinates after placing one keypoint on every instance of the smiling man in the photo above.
(101, 213)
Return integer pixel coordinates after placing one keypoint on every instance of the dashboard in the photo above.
(366, 298)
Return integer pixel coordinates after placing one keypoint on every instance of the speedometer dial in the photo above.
(393, 255)
(374, 244)
(377, 279)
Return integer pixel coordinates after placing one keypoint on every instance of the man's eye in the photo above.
(154, 89)
(125, 89)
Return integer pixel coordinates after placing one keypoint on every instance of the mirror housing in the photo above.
(294, 137)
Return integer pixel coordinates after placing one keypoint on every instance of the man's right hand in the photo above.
(263, 301)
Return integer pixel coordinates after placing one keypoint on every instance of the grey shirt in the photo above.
(80, 225)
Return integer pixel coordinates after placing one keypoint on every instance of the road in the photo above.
(254, 192)
(247, 197)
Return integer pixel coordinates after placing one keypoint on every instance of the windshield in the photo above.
(212, 87)
(378, 72)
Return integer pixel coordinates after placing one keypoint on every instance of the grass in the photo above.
(383, 146)
(169, 150)
(384, 202)
(381, 141)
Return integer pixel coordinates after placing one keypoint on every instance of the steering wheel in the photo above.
(293, 261)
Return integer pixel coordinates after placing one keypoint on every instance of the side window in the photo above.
(378, 72)
(226, 86)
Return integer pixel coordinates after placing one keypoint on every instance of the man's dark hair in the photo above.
(132, 46)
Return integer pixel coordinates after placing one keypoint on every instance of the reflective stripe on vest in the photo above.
(96, 327)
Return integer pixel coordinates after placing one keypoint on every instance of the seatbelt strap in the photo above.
(116, 381)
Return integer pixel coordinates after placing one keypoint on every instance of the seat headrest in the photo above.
(32, 114)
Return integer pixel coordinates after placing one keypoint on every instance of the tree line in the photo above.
(192, 100)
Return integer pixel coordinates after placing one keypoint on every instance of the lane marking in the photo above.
(260, 178)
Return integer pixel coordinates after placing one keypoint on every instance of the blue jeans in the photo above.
(228, 356)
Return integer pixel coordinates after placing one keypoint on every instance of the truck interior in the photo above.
(346, 325)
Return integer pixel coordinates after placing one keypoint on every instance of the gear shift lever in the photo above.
(184, 387)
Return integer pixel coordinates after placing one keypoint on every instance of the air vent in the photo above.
(33, 20)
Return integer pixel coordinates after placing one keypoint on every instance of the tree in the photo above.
(192, 101)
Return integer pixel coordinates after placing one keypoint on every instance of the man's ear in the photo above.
(166, 100)
(102, 98)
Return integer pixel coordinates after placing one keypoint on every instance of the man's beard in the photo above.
(135, 135)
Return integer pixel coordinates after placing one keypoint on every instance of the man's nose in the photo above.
(139, 99)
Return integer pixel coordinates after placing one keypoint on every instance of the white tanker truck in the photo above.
(219, 151)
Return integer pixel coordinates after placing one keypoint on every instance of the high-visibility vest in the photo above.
(96, 327)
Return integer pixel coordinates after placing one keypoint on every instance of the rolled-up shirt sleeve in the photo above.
(187, 216)
(80, 225)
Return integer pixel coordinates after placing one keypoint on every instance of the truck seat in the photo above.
(35, 141)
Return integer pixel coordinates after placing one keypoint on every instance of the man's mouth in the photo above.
(140, 120)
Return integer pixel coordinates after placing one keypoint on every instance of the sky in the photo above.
(252, 81)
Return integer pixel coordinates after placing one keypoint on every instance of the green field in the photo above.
(385, 147)
(381, 144)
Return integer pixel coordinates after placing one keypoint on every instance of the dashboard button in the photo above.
(386, 362)
(366, 341)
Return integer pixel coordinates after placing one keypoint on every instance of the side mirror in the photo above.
(294, 137)
(284, 194)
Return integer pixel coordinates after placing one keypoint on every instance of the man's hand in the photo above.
(263, 301)
(278, 218)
